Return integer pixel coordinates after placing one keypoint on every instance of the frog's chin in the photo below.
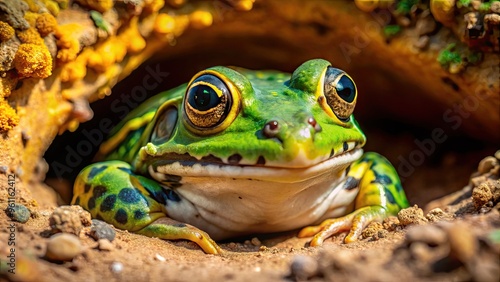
(337, 164)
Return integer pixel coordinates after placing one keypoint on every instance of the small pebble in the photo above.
(481, 195)
(429, 234)
(102, 230)
(63, 247)
(116, 267)
(486, 164)
(256, 242)
(303, 267)
(3, 169)
(158, 257)
(18, 213)
(69, 219)
(105, 245)
(412, 215)
(436, 214)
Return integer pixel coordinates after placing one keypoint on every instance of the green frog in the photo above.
(237, 152)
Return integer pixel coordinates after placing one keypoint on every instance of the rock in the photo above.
(63, 247)
(102, 230)
(18, 213)
(105, 245)
(429, 234)
(463, 243)
(481, 195)
(303, 267)
(438, 214)
(372, 229)
(255, 241)
(486, 164)
(116, 267)
(391, 223)
(69, 219)
(412, 215)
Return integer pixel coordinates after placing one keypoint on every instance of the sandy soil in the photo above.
(458, 242)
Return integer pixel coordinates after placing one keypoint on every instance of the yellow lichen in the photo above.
(8, 117)
(6, 31)
(176, 3)
(31, 36)
(98, 5)
(31, 17)
(7, 84)
(33, 60)
(201, 19)
(68, 44)
(153, 6)
(52, 6)
(77, 69)
(33, 5)
(164, 24)
(134, 41)
(45, 24)
(108, 53)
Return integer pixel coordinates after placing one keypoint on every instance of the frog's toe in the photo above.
(355, 222)
(169, 229)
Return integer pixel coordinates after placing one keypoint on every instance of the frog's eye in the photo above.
(340, 93)
(207, 103)
(165, 125)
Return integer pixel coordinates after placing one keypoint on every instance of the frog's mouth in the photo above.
(183, 166)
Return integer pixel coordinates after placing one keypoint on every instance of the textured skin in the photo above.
(120, 190)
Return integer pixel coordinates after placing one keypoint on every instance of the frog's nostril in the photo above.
(271, 129)
(312, 121)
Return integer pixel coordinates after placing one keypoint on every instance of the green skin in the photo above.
(135, 189)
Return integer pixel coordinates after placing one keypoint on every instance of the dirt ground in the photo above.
(458, 242)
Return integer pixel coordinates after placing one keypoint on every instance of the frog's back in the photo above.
(122, 142)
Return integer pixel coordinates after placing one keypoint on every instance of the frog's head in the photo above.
(240, 123)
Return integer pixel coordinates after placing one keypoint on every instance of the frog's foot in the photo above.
(355, 222)
(110, 191)
(169, 229)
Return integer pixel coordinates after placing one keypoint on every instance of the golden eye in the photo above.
(211, 103)
(340, 93)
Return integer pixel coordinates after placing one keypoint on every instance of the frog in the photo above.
(236, 152)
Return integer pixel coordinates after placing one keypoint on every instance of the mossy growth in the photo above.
(404, 6)
(391, 30)
(448, 56)
(463, 3)
(99, 21)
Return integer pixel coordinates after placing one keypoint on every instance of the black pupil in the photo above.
(203, 98)
(346, 89)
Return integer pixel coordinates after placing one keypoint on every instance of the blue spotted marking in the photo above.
(95, 171)
(91, 203)
(139, 214)
(172, 196)
(98, 191)
(389, 196)
(129, 195)
(382, 179)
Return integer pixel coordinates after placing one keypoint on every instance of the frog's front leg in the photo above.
(380, 195)
(112, 192)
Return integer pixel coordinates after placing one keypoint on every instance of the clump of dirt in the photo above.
(453, 238)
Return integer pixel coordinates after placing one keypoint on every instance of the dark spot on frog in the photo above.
(95, 171)
(121, 216)
(172, 196)
(261, 161)
(234, 159)
(351, 183)
(125, 169)
(451, 83)
(345, 146)
(25, 138)
(91, 203)
(129, 195)
(138, 214)
(86, 188)
(180, 225)
(77, 201)
(399, 187)
(108, 203)
(382, 179)
(99, 190)
(389, 196)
